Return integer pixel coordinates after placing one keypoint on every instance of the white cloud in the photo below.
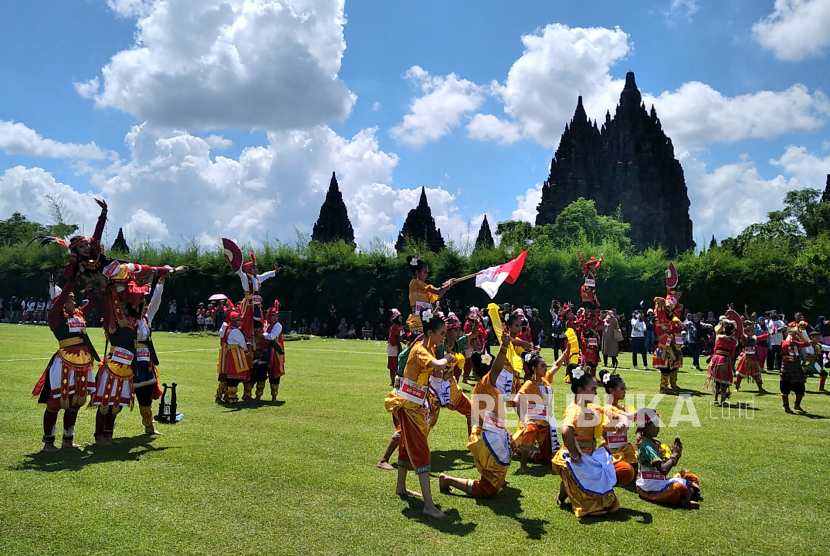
(681, 8)
(376, 107)
(809, 169)
(486, 127)
(16, 138)
(26, 190)
(229, 63)
(557, 66)
(88, 89)
(696, 115)
(144, 226)
(218, 142)
(439, 109)
(171, 187)
(732, 197)
(796, 29)
(527, 204)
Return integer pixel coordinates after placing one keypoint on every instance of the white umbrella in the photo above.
(217, 297)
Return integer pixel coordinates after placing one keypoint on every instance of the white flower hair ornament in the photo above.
(607, 378)
(427, 315)
(577, 373)
(414, 261)
(486, 359)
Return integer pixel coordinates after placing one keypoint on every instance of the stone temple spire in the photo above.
(420, 226)
(333, 223)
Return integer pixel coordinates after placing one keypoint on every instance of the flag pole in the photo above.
(468, 276)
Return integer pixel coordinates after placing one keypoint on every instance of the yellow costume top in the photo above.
(587, 424)
(419, 299)
(617, 442)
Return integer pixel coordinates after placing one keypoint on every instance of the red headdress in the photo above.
(452, 321)
(248, 267)
(273, 310)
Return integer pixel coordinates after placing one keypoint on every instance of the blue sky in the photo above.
(203, 118)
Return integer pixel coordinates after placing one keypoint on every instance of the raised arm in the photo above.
(155, 301)
(102, 220)
(55, 314)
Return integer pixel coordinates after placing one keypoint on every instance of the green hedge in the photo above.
(316, 276)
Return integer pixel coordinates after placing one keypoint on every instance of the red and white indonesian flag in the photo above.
(490, 279)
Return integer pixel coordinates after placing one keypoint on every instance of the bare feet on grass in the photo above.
(49, 447)
(433, 511)
(385, 465)
(407, 492)
(443, 486)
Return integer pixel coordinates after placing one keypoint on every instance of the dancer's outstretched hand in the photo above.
(101, 203)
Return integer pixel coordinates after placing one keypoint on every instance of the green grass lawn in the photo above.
(300, 476)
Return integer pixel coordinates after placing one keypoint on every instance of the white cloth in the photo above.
(144, 325)
(776, 336)
(595, 473)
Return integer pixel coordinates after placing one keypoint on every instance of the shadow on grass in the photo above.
(452, 524)
(507, 503)
(75, 460)
(444, 461)
(623, 514)
(246, 406)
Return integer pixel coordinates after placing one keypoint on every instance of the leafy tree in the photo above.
(579, 223)
(18, 229)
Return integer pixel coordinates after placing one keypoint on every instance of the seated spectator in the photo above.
(304, 327)
(381, 333)
(352, 333)
(343, 329)
(367, 331)
(314, 330)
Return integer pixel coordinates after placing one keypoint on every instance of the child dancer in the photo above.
(792, 378)
(589, 485)
(538, 437)
(656, 460)
(409, 406)
(615, 428)
(490, 443)
(720, 366)
(422, 296)
(397, 334)
(750, 360)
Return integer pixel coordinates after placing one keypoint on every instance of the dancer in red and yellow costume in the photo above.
(538, 436)
(750, 361)
(122, 310)
(422, 296)
(274, 353)
(444, 391)
(476, 334)
(589, 485)
(792, 377)
(69, 376)
(490, 442)
(397, 335)
(588, 325)
(668, 328)
(615, 428)
(234, 360)
(588, 291)
(720, 366)
(409, 405)
(656, 461)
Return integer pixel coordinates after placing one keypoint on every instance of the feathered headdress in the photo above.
(248, 267)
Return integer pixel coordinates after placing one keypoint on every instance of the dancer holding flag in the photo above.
(422, 296)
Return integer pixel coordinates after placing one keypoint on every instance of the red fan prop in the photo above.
(232, 254)
(671, 277)
(733, 315)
